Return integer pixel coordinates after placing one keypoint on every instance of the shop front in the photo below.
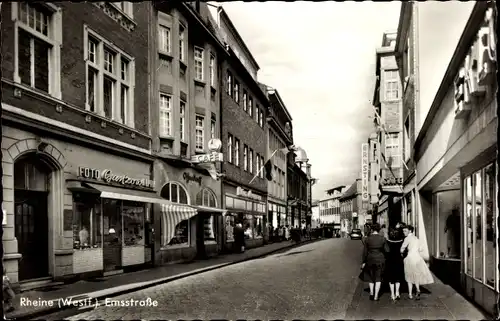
(276, 213)
(71, 210)
(248, 208)
(192, 226)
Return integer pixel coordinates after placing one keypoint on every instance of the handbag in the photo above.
(405, 253)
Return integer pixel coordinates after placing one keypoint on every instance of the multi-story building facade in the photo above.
(315, 217)
(298, 183)
(279, 137)
(185, 58)
(77, 164)
(244, 134)
(387, 102)
(353, 210)
(329, 206)
(455, 150)
(373, 146)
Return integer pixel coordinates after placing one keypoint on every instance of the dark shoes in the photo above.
(417, 296)
(372, 297)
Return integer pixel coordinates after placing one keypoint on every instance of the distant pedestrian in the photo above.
(239, 238)
(372, 268)
(394, 266)
(287, 232)
(416, 271)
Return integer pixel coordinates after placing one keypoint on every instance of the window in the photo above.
(262, 164)
(181, 43)
(248, 226)
(236, 95)
(236, 152)
(391, 81)
(257, 163)
(37, 59)
(206, 198)
(447, 218)
(212, 71)
(126, 7)
(477, 231)
(250, 106)
(261, 118)
(245, 158)
(175, 193)
(199, 132)
(407, 143)
(213, 128)
(165, 114)
(182, 120)
(468, 202)
(86, 222)
(198, 63)
(209, 229)
(258, 227)
(164, 39)
(245, 100)
(257, 113)
(490, 228)
(230, 223)
(250, 161)
(110, 80)
(230, 148)
(392, 150)
(133, 214)
(229, 88)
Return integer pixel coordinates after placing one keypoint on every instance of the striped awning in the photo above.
(173, 214)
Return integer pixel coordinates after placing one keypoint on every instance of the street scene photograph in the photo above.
(259, 160)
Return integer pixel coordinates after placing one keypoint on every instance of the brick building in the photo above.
(76, 139)
(387, 102)
(297, 191)
(244, 111)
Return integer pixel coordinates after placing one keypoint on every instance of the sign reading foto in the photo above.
(108, 176)
(365, 151)
(207, 158)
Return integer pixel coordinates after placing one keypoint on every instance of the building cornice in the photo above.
(470, 32)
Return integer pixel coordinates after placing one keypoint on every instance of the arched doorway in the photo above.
(31, 190)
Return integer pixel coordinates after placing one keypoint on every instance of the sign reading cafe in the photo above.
(108, 176)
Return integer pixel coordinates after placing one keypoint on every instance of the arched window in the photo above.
(206, 198)
(175, 193)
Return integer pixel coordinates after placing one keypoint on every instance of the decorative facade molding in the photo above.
(116, 14)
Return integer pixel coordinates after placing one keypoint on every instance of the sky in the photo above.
(320, 56)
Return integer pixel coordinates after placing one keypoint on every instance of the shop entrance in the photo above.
(31, 190)
(112, 245)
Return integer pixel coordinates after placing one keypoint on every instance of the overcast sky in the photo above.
(321, 58)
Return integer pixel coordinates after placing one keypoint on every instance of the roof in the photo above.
(276, 98)
(332, 190)
(351, 191)
(403, 26)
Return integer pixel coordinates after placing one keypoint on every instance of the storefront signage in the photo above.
(476, 72)
(192, 178)
(241, 192)
(365, 148)
(108, 176)
(207, 158)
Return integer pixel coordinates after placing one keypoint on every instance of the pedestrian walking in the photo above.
(394, 270)
(372, 268)
(287, 232)
(416, 271)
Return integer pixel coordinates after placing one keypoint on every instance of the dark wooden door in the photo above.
(112, 249)
(31, 230)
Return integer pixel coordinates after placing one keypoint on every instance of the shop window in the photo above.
(209, 228)
(229, 224)
(248, 226)
(258, 226)
(478, 226)
(181, 234)
(87, 219)
(468, 223)
(448, 224)
(133, 214)
(176, 193)
(490, 207)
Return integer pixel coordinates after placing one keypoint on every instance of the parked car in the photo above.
(356, 234)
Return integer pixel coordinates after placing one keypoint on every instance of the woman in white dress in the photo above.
(416, 271)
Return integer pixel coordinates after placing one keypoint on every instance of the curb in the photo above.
(55, 308)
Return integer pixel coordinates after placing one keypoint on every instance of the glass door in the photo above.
(113, 237)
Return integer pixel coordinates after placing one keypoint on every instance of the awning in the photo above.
(127, 194)
(210, 209)
(173, 214)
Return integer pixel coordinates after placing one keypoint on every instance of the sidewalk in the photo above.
(438, 301)
(134, 281)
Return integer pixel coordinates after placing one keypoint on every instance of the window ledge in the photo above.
(167, 137)
(52, 99)
(182, 64)
(166, 55)
(118, 15)
(174, 247)
(199, 82)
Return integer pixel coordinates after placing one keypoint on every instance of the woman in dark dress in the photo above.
(394, 271)
(375, 247)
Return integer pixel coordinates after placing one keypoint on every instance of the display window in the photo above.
(248, 226)
(447, 219)
(181, 234)
(133, 214)
(209, 228)
(230, 223)
(87, 218)
(480, 250)
(258, 226)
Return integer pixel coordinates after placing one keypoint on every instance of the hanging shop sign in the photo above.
(109, 177)
(207, 158)
(192, 178)
(248, 194)
(365, 195)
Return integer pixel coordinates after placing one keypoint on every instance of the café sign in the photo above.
(109, 177)
(207, 158)
(477, 71)
(365, 196)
